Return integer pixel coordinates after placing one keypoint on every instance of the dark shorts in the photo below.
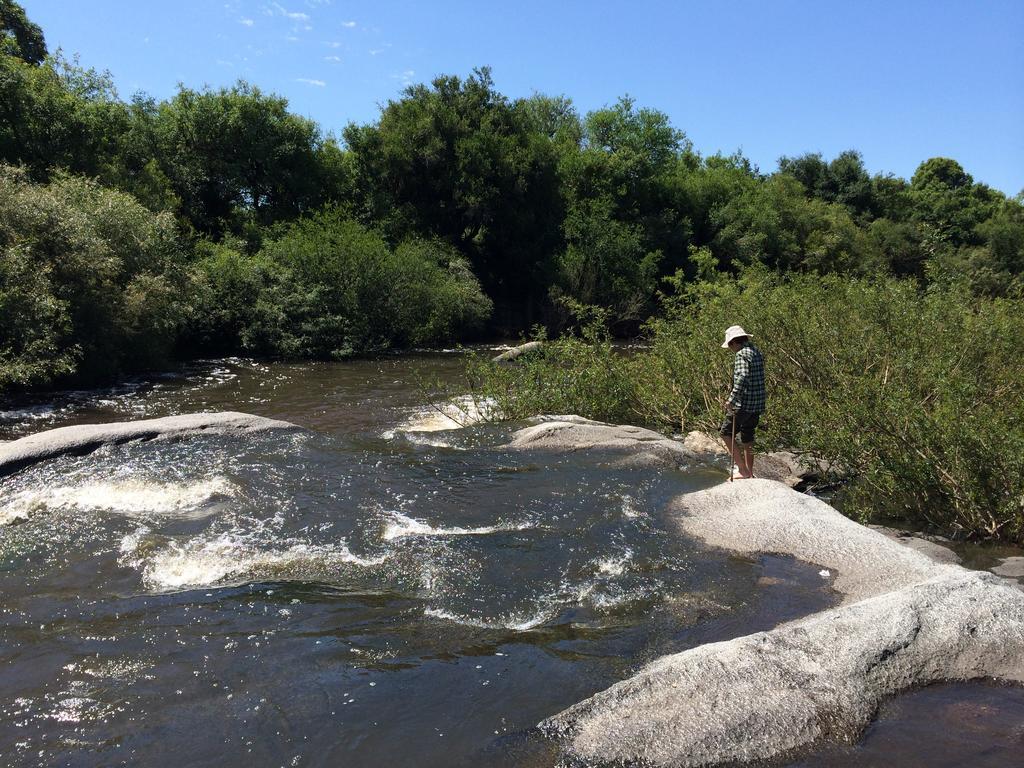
(746, 423)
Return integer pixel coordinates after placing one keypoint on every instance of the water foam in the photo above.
(516, 622)
(614, 566)
(228, 558)
(401, 526)
(128, 497)
(457, 413)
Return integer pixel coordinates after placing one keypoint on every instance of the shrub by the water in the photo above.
(91, 282)
(914, 396)
(329, 288)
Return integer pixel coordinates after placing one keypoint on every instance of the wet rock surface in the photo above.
(910, 617)
(85, 438)
(631, 445)
(824, 677)
(1011, 567)
(934, 547)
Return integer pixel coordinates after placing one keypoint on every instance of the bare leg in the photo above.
(747, 465)
(736, 451)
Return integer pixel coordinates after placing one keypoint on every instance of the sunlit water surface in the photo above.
(375, 590)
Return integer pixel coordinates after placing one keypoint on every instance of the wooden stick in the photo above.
(732, 448)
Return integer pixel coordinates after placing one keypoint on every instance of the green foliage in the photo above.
(458, 161)
(619, 220)
(773, 223)
(907, 394)
(843, 180)
(19, 36)
(92, 281)
(330, 288)
(578, 373)
(57, 115)
(233, 154)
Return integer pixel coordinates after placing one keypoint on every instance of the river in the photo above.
(379, 589)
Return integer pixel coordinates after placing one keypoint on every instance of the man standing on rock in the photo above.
(746, 402)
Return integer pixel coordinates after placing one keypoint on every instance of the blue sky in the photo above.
(901, 81)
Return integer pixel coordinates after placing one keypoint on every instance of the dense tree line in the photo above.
(218, 221)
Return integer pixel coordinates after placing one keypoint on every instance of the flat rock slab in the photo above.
(631, 445)
(85, 438)
(1011, 567)
(639, 446)
(755, 516)
(927, 546)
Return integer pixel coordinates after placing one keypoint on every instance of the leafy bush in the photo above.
(581, 373)
(330, 288)
(92, 281)
(915, 397)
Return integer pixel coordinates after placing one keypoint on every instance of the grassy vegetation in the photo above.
(917, 395)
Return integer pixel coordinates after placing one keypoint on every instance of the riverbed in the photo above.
(383, 588)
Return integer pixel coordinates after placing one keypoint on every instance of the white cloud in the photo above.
(310, 81)
(332, 58)
(294, 15)
(348, 24)
(246, 22)
(292, 39)
(333, 44)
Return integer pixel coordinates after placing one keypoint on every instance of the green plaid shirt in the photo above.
(748, 380)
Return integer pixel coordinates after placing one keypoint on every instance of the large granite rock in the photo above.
(771, 693)
(629, 445)
(906, 620)
(764, 516)
(85, 438)
(635, 445)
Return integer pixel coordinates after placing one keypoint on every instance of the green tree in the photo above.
(19, 36)
(458, 161)
(621, 222)
(774, 223)
(234, 154)
(59, 115)
(948, 204)
(327, 287)
(842, 180)
(93, 282)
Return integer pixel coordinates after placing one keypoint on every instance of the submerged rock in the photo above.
(86, 438)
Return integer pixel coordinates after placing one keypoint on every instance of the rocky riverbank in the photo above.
(907, 620)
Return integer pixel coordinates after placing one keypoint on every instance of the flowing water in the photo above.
(380, 589)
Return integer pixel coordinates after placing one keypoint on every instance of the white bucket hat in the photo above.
(733, 332)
